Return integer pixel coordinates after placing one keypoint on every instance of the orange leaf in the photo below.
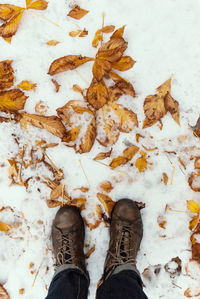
(4, 227)
(88, 138)
(118, 161)
(124, 64)
(54, 203)
(52, 42)
(40, 5)
(97, 94)
(98, 35)
(77, 88)
(57, 192)
(119, 32)
(106, 186)
(9, 29)
(56, 84)
(90, 251)
(165, 178)
(12, 100)
(103, 155)
(69, 62)
(26, 85)
(74, 33)
(71, 135)
(189, 293)
(141, 163)
(100, 68)
(6, 74)
(107, 202)
(77, 12)
(7, 11)
(130, 152)
(193, 223)
(79, 202)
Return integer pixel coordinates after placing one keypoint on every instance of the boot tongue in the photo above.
(125, 245)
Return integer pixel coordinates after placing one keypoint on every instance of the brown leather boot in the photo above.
(126, 231)
(68, 238)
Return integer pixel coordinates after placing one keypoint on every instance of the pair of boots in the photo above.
(126, 232)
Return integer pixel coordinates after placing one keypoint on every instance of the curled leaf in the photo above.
(197, 163)
(107, 202)
(88, 138)
(97, 94)
(41, 108)
(56, 84)
(12, 100)
(69, 62)
(6, 74)
(26, 85)
(189, 292)
(77, 12)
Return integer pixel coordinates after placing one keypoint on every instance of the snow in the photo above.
(164, 39)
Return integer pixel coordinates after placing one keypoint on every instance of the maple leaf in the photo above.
(26, 85)
(103, 155)
(12, 100)
(69, 62)
(97, 94)
(77, 12)
(99, 34)
(3, 293)
(50, 123)
(6, 74)
(128, 154)
(107, 202)
(193, 181)
(196, 128)
(106, 186)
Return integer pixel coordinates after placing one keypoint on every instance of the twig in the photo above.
(46, 19)
(120, 171)
(37, 273)
(103, 19)
(84, 171)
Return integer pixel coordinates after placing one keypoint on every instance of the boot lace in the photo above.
(64, 255)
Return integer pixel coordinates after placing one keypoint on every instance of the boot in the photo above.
(126, 231)
(68, 238)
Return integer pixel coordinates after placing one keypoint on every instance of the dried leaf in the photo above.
(197, 163)
(77, 12)
(90, 251)
(193, 206)
(4, 227)
(41, 108)
(99, 36)
(12, 100)
(97, 94)
(193, 181)
(113, 50)
(106, 186)
(57, 192)
(118, 161)
(21, 291)
(83, 189)
(6, 74)
(40, 5)
(26, 85)
(74, 33)
(130, 152)
(79, 202)
(71, 135)
(124, 64)
(174, 271)
(56, 84)
(9, 28)
(141, 163)
(164, 88)
(119, 32)
(77, 88)
(191, 293)
(52, 42)
(103, 155)
(3, 293)
(69, 62)
(7, 11)
(107, 202)
(172, 106)
(193, 223)
(88, 138)
(100, 68)
(165, 178)
(154, 110)
(50, 123)
(161, 222)
(54, 203)
(196, 128)
(121, 87)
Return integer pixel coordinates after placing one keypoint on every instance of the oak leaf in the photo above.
(12, 100)
(89, 138)
(107, 202)
(97, 94)
(50, 123)
(106, 186)
(3, 293)
(172, 106)
(196, 128)
(125, 63)
(103, 155)
(69, 62)
(6, 74)
(26, 85)
(77, 12)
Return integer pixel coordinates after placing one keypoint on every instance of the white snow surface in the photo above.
(164, 39)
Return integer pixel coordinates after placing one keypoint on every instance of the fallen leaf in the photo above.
(71, 135)
(83, 189)
(118, 161)
(77, 12)
(12, 100)
(164, 88)
(193, 181)
(78, 33)
(21, 291)
(6, 74)
(141, 163)
(77, 88)
(196, 128)
(193, 206)
(90, 251)
(79, 202)
(56, 84)
(172, 106)
(161, 222)
(100, 68)
(41, 108)
(54, 203)
(97, 94)
(9, 28)
(57, 192)
(99, 36)
(107, 202)
(154, 110)
(89, 138)
(193, 223)
(165, 178)
(3, 293)
(50, 123)
(119, 32)
(52, 42)
(124, 64)
(138, 136)
(130, 152)
(40, 5)
(191, 293)
(26, 85)
(113, 50)
(4, 227)
(103, 155)
(197, 163)
(7, 11)
(121, 86)
(106, 186)
(69, 62)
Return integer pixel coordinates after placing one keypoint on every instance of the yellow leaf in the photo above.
(26, 85)
(165, 178)
(193, 223)
(107, 202)
(130, 152)
(52, 42)
(77, 12)
(99, 36)
(7, 11)
(4, 227)
(6, 74)
(28, 2)
(193, 206)
(57, 192)
(40, 5)
(71, 135)
(118, 161)
(119, 32)
(141, 163)
(97, 94)
(9, 29)
(124, 64)
(12, 100)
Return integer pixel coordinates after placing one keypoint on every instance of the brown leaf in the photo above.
(77, 12)
(79, 202)
(26, 85)
(7, 11)
(50, 123)
(172, 106)
(106, 186)
(97, 94)
(107, 202)
(77, 88)
(90, 251)
(69, 62)
(161, 222)
(194, 181)
(141, 163)
(197, 163)
(121, 87)
(56, 84)
(71, 135)
(113, 50)
(164, 88)
(138, 136)
(3, 293)
(100, 68)
(6, 74)
(196, 128)
(83, 189)
(88, 138)
(165, 178)
(4, 227)
(54, 203)
(39, 5)
(12, 100)
(118, 161)
(103, 155)
(52, 42)
(9, 28)
(41, 108)
(78, 33)
(154, 110)
(193, 223)
(57, 192)
(99, 36)
(124, 64)
(128, 154)
(119, 32)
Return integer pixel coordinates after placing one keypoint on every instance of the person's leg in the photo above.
(71, 280)
(121, 278)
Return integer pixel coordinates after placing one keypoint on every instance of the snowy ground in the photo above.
(164, 39)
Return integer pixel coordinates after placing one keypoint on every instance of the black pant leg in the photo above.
(69, 284)
(125, 284)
